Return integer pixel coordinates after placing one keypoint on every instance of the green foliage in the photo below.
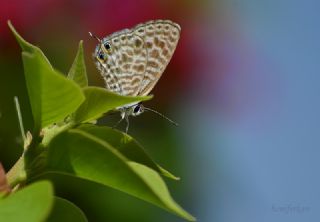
(52, 96)
(127, 146)
(65, 211)
(33, 203)
(99, 101)
(64, 147)
(78, 72)
(86, 156)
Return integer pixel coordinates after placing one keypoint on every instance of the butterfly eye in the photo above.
(101, 56)
(136, 109)
(107, 46)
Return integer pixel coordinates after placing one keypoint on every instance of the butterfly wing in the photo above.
(125, 63)
(160, 40)
(137, 56)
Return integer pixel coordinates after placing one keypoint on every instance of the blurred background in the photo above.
(243, 84)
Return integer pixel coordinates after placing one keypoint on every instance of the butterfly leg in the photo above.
(122, 117)
(127, 120)
(115, 125)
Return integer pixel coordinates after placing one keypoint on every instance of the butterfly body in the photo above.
(131, 61)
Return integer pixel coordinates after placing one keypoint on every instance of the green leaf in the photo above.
(101, 203)
(26, 46)
(127, 146)
(65, 211)
(78, 72)
(30, 204)
(52, 96)
(77, 153)
(157, 185)
(99, 101)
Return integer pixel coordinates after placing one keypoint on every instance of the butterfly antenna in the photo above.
(94, 36)
(163, 116)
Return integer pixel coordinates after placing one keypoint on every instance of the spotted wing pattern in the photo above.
(160, 38)
(124, 64)
(137, 57)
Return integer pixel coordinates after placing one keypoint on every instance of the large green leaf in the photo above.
(65, 211)
(78, 72)
(101, 203)
(83, 155)
(126, 145)
(30, 204)
(52, 96)
(99, 101)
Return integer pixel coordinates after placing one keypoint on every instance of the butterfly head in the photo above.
(103, 49)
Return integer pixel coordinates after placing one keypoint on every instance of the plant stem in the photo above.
(17, 173)
(17, 105)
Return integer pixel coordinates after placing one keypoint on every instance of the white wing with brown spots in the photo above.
(161, 38)
(124, 62)
(131, 61)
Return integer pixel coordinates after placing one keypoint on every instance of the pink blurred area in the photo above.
(52, 22)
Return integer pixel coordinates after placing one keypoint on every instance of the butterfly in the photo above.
(131, 61)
